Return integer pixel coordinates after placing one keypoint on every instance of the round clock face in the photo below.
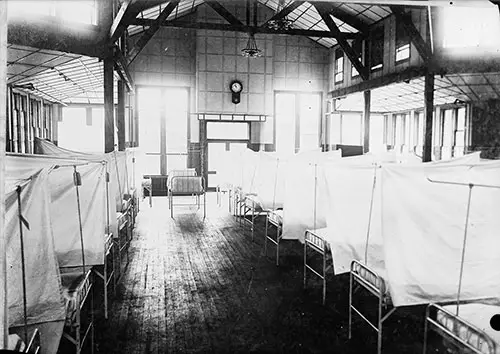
(236, 86)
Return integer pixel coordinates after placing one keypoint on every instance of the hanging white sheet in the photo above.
(423, 230)
(301, 209)
(45, 304)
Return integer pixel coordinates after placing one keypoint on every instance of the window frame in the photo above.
(402, 42)
(377, 43)
(339, 56)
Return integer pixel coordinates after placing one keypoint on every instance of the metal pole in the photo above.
(23, 266)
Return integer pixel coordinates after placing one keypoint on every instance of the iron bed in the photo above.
(19, 346)
(79, 301)
(274, 217)
(107, 271)
(456, 331)
(187, 186)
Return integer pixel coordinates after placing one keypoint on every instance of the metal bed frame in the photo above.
(277, 222)
(107, 275)
(365, 277)
(455, 329)
(193, 193)
(122, 241)
(72, 330)
(32, 347)
(249, 211)
(315, 242)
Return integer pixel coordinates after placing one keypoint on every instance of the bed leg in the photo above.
(105, 286)
(380, 324)
(204, 205)
(350, 306)
(265, 238)
(305, 263)
(253, 220)
(229, 200)
(277, 246)
(324, 275)
(92, 332)
(424, 347)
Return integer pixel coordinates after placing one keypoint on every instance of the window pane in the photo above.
(403, 52)
(310, 115)
(376, 132)
(285, 123)
(351, 129)
(176, 162)
(151, 164)
(149, 130)
(227, 131)
(176, 116)
(335, 128)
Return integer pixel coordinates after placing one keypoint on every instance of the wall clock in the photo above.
(236, 87)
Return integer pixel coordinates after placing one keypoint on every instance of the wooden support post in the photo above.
(428, 112)
(120, 119)
(3, 118)
(109, 116)
(366, 120)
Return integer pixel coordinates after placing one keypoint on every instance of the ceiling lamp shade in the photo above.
(280, 24)
(251, 50)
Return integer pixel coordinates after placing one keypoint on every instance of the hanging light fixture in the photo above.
(251, 50)
(281, 24)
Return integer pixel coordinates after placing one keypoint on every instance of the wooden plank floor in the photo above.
(203, 286)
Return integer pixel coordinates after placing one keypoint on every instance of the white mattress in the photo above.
(276, 216)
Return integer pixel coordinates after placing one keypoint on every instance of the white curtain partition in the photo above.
(51, 234)
(423, 226)
(392, 217)
(124, 174)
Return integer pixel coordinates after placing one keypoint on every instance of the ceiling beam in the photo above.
(243, 28)
(121, 68)
(342, 41)
(423, 48)
(385, 80)
(150, 32)
(284, 12)
(118, 27)
(221, 10)
(351, 20)
(415, 3)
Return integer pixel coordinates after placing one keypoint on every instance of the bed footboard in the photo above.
(467, 337)
(315, 242)
(274, 217)
(368, 279)
(187, 186)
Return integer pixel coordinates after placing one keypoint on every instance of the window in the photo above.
(83, 11)
(339, 65)
(459, 141)
(82, 129)
(163, 119)
(402, 42)
(352, 129)
(227, 131)
(469, 27)
(357, 45)
(377, 48)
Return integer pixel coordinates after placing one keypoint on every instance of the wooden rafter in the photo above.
(284, 12)
(341, 40)
(423, 48)
(243, 28)
(121, 67)
(351, 20)
(127, 12)
(150, 32)
(221, 10)
(118, 27)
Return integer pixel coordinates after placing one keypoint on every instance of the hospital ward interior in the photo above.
(249, 176)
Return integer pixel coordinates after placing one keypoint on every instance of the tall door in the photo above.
(286, 121)
(298, 119)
